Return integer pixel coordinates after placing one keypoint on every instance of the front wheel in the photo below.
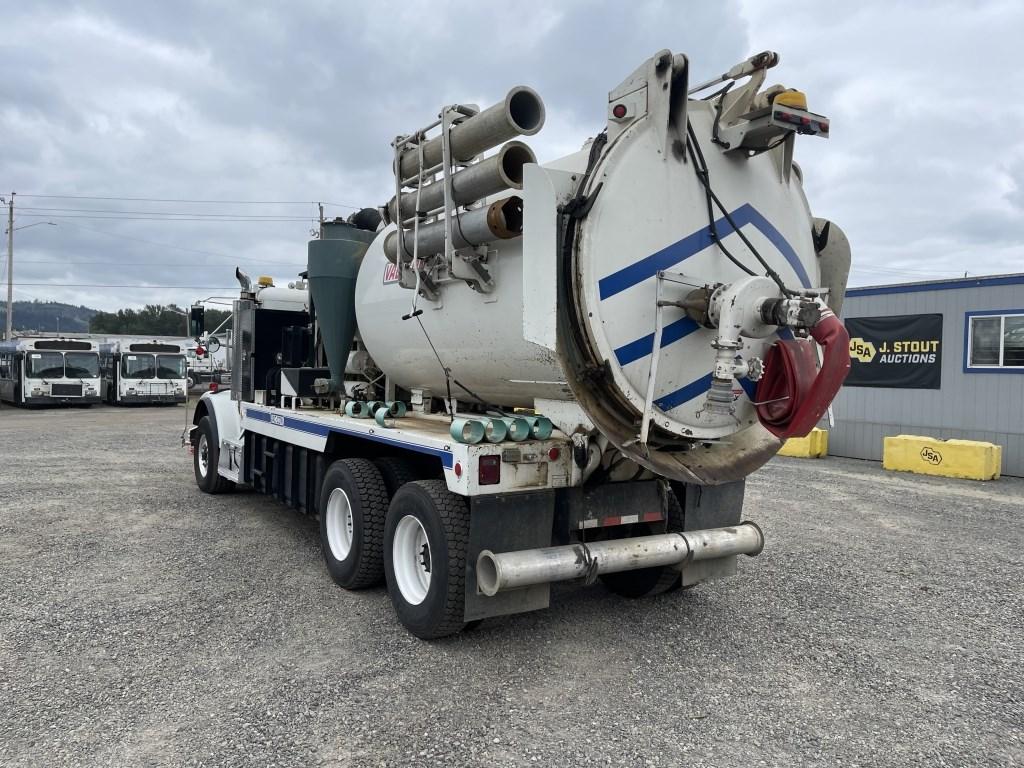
(205, 458)
(425, 541)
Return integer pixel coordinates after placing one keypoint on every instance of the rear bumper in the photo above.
(142, 399)
(60, 400)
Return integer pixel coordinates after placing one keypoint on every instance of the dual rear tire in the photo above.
(379, 521)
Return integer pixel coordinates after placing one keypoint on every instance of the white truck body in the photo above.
(533, 373)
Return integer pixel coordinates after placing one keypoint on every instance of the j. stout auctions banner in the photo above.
(903, 351)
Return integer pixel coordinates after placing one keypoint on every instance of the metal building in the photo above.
(943, 358)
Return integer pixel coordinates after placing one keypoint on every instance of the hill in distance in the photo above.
(48, 316)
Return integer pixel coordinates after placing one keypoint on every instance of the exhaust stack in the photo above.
(509, 570)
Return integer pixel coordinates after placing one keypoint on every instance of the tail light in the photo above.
(489, 470)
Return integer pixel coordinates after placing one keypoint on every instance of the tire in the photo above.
(353, 506)
(648, 582)
(205, 458)
(396, 471)
(426, 513)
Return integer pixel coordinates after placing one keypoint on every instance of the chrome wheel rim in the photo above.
(339, 524)
(203, 455)
(410, 554)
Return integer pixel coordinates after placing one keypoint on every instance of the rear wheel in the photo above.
(648, 582)
(425, 543)
(396, 471)
(353, 505)
(205, 458)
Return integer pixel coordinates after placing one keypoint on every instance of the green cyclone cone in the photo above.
(333, 264)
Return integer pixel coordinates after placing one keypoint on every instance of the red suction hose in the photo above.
(793, 394)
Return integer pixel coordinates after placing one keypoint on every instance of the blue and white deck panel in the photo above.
(525, 466)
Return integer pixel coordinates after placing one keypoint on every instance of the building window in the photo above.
(994, 341)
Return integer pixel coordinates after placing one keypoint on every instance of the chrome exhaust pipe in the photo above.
(510, 570)
(520, 113)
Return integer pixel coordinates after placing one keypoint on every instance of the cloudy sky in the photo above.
(290, 103)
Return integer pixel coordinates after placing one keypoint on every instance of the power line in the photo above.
(148, 287)
(120, 211)
(67, 263)
(147, 242)
(268, 220)
(187, 200)
(199, 251)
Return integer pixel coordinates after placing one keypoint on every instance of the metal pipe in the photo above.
(500, 220)
(510, 570)
(501, 171)
(468, 431)
(518, 428)
(521, 112)
(244, 280)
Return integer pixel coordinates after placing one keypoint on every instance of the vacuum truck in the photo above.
(515, 373)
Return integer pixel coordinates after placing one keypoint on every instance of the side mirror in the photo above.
(212, 344)
(196, 321)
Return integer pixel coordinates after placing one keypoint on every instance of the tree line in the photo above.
(151, 320)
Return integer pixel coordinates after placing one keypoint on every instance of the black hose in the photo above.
(701, 169)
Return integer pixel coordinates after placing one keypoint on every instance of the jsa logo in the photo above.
(862, 350)
(275, 419)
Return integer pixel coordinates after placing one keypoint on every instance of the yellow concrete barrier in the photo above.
(968, 459)
(814, 446)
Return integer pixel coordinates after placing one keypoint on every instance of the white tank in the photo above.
(478, 336)
(294, 299)
(576, 321)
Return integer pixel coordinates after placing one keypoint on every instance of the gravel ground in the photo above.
(143, 623)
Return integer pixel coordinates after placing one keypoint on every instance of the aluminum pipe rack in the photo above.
(509, 570)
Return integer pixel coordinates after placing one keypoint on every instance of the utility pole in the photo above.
(321, 207)
(10, 267)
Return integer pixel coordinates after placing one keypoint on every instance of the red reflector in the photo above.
(619, 110)
(805, 120)
(823, 127)
(458, 469)
(200, 351)
(554, 454)
(489, 470)
(214, 386)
